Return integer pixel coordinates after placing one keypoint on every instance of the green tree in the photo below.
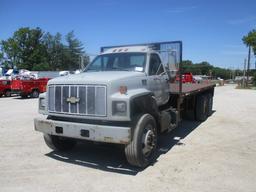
(254, 79)
(187, 63)
(220, 72)
(10, 48)
(25, 49)
(250, 40)
(55, 49)
(33, 49)
(73, 52)
(205, 68)
(1, 57)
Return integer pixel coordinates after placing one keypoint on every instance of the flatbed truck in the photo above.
(127, 95)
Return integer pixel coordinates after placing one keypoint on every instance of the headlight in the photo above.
(119, 108)
(42, 104)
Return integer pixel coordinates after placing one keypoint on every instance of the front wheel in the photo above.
(141, 151)
(35, 94)
(57, 143)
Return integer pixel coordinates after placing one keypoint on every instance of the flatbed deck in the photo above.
(189, 88)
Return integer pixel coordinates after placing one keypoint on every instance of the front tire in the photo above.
(57, 143)
(35, 94)
(141, 151)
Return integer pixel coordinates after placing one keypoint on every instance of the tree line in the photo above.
(36, 50)
(205, 68)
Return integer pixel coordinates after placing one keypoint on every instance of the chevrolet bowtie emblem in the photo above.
(73, 100)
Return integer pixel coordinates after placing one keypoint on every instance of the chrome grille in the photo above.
(88, 99)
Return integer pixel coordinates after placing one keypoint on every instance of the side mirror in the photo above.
(171, 72)
(167, 71)
(172, 65)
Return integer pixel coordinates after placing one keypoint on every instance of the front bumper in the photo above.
(100, 133)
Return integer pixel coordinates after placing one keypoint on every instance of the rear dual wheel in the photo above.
(141, 151)
(210, 104)
(203, 106)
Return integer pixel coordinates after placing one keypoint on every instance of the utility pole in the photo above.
(248, 65)
(244, 73)
(81, 62)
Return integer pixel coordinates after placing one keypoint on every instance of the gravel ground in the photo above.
(216, 155)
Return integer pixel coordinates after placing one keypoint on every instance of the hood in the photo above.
(102, 77)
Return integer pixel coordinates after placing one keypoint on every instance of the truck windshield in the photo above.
(118, 62)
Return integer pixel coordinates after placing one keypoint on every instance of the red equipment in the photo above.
(29, 87)
(5, 88)
(186, 78)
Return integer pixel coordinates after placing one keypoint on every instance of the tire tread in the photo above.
(133, 156)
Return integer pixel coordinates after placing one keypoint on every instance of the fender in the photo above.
(140, 101)
(144, 103)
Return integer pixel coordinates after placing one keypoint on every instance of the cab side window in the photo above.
(155, 66)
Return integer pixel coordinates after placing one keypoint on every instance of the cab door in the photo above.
(158, 79)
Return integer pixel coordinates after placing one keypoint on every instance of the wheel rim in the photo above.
(148, 140)
(35, 94)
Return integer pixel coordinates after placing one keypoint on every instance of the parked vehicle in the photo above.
(64, 73)
(124, 96)
(32, 87)
(5, 88)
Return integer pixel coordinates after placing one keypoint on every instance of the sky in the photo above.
(210, 30)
